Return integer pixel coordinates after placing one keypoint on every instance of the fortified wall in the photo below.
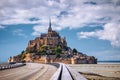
(51, 47)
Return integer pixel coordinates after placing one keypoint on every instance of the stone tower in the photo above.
(50, 39)
(50, 28)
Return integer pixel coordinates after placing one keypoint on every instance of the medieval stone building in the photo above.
(51, 39)
(51, 47)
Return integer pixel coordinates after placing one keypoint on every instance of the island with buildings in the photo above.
(49, 48)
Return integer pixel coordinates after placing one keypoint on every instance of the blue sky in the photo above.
(91, 26)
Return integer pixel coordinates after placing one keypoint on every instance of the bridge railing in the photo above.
(9, 66)
(75, 74)
(57, 74)
(64, 72)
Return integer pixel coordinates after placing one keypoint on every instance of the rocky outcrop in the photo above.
(51, 47)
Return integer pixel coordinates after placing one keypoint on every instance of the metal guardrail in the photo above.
(64, 72)
(9, 66)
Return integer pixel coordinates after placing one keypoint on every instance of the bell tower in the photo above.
(50, 28)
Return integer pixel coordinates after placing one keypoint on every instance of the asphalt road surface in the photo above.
(32, 71)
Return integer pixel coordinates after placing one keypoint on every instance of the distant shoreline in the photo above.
(108, 62)
(99, 62)
(3, 63)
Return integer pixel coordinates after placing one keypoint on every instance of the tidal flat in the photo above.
(98, 71)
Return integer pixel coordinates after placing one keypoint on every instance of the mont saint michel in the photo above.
(51, 47)
(59, 39)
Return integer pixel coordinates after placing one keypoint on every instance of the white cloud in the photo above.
(64, 14)
(39, 29)
(2, 27)
(19, 32)
(73, 14)
(111, 32)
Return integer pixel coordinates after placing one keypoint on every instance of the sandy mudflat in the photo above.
(98, 71)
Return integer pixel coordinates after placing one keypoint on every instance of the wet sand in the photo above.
(98, 71)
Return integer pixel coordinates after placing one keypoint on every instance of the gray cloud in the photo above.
(75, 11)
(64, 13)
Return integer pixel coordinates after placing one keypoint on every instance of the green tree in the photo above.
(28, 51)
(58, 51)
(43, 50)
(43, 53)
(23, 56)
(75, 51)
(22, 51)
(38, 51)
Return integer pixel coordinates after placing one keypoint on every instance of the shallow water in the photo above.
(107, 62)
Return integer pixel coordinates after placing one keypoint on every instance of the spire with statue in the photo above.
(51, 47)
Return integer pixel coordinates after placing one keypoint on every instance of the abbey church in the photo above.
(51, 47)
(51, 39)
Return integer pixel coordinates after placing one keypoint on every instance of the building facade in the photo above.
(51, 47)
(51, 39)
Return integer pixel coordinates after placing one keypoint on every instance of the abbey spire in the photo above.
(51, 47)
(50, 28)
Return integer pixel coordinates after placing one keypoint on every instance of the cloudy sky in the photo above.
(91, 26)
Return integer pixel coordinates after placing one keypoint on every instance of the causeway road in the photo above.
(31, 71)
